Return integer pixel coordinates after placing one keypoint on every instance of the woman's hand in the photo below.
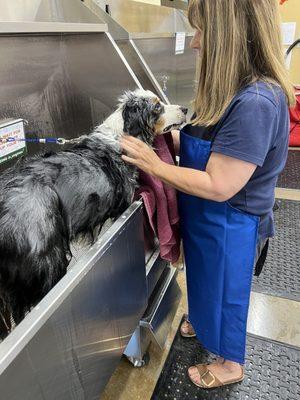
(140, 155)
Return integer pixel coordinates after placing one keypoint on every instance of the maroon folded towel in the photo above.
(160, 202)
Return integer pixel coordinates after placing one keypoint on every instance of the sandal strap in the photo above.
(208, 379)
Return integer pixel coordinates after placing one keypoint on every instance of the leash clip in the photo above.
(61, 141)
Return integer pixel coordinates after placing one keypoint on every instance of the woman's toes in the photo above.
(185, 327)
(194, 374)
(192, 370)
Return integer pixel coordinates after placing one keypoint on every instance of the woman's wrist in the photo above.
(162, 170)
(157, 168)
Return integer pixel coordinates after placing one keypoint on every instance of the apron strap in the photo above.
(261, 259)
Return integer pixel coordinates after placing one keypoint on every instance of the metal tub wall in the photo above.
(174, 72)
(152, 35)
(140, 68)
(69, 345)
(127, 46)
(146, 35)
(138, 17)
(179, 4)
(157, 319)
(62, 84)
(46, 11)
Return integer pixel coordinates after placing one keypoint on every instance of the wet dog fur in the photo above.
(47, 201)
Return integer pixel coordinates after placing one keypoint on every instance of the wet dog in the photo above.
(50, 200)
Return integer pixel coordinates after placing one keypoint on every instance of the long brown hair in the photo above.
(240, 44)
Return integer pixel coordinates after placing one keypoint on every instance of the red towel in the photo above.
(295, 122)
(160, 202)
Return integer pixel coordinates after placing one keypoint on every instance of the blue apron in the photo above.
(219, 245)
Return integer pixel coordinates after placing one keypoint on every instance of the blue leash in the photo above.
(59, 141)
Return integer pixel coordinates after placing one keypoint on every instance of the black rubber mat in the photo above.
(290, 177)
(281, 273)
(272, 372)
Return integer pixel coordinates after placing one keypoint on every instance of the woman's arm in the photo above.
(224, 176)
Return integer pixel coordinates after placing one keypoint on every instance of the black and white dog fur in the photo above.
(47, 201)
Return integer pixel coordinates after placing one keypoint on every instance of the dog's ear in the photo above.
(132, 117)
(133, 126)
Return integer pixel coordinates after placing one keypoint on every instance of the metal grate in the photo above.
(281, 273)
(290, 177)
(272, 373)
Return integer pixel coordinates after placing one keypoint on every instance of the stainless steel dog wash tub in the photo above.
(68, 346)
(62, 72)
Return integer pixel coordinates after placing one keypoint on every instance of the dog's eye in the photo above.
(157, 107)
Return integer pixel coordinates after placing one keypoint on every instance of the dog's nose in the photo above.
(184, 110)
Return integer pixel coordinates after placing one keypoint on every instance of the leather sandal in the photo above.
(187, 331)
(210, 381)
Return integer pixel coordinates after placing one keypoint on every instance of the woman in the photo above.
(230, 157)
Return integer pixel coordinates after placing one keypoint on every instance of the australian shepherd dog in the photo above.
(50, 200)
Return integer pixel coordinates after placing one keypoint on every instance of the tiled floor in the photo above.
(269, 316)
(288, 194)
(274, 318)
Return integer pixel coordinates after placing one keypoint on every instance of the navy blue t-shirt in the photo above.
(254, 128)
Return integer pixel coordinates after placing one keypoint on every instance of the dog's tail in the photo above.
(34, 247)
